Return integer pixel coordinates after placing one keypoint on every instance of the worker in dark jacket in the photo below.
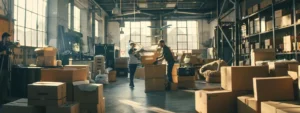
(4, 66)
(168, 56)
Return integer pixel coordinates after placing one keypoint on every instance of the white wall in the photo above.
(113, 33)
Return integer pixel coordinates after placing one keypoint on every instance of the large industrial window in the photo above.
(96, 28)
(183, 36)
(138, 32)
(30, 24)
(76, 18)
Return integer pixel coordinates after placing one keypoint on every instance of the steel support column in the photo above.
(72, 15)
(93, 11)
(237, 32)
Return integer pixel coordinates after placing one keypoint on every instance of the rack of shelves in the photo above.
(268, 27)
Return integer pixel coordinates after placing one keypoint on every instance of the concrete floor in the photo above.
(120, 98)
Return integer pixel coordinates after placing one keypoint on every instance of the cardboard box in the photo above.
(273, 106)
(140, 73)
(122, 72)
(269, 25)
(112, 76)
(288, 110)
(155, 71)
(180, 79)
(46, 61)
(265, 3)
(248, 104)
(93, 108)
(85, 67)
(121, 63)
(148, 60)
(278, 13)
(157, 84)
(21, 106)
(262, 55)
(42, 102)
(66, 108)
(46, 51)
(217, 101)
(250, 10)
(238, 78)
(63, 75)
(47, 90)
(286, 20)
(287, 42)
(99, 58)
(278, 22)
(88, 93)
(255, 7)
(296, 47)
(284, 88)
(293, 71)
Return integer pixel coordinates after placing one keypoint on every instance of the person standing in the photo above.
(168, 56)
(133, 62)
(4, 67)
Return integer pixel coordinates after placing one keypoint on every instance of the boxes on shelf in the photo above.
(121, 63)
(265, 3)
(47, 94)
(250, 10)
(279, 13)
(269, 25)
(263, 24)
(248, 104)
(66, 108)
(251, 25)
(257, 45)
(216, 100)
(296, 47)
(257, 25)
(278, 22)
(262, 55)
(21, 106)
(240, 78)
(255, 8)
(286, 20)
(273, 106)
(284, 88)
(287, 42)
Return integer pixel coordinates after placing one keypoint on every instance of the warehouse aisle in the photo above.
(121, 99)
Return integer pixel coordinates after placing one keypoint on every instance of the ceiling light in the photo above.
(121, 32)
(116, 10)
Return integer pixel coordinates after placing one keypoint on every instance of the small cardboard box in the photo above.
(65, 108)
(157, 84)
(284, 88)
(20, 106)
(63, 75)
(85, 67)
(237, 78)
(248, 104)
(140, 73)
(47, 90)
(269, 25)
(273, 106)
(255, 7)
(88, 93)
(278, 13)
(112, 76)
(93, 108)
(148, 60)
(155, 71)
(216, 100)
(278, 22)
(286, 20)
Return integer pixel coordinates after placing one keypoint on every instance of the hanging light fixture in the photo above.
(121, 32)
(116, 10)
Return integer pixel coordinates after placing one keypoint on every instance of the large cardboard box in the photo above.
(46, 51)
(93, 108)
(293, 71)
(121, 63)
(174, 70)
(283, 85)
(156, 84)
(181, 79)
(262, 55)
(288, 110)
(112, 76)
(155, 71)
(140, 73)
(85, 67)
(217, 100)
(148, 60)
(88, 93)
(238, 78)
(46, 93)
(63, 74)
(248, 104)
(21, 106)
(286, 20)
(287, 42)
(46, 61)
(66, 108)
(273, 106)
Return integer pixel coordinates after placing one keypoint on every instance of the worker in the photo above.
(168, 56)
(133, 62)
(4, 66)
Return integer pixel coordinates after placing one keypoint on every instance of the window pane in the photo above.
(182, 31)
(40, 39)
(28, 19)
(34, 38)
(20, 36)
(34, 20)
(16, 2)
(40, 7)
(16, 13)
(22, 3)
(28, 37)
(44, 8)
(29, 5)
(34, 6)
(21, 17)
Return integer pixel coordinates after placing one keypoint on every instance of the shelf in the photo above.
(281, 28)
(266, 32)
(282, 1)
(253, 35)
(253, 14)
(289, 53)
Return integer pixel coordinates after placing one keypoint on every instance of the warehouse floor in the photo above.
(122, 99)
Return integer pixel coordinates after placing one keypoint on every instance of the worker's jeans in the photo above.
(132, 69)
(4, 82)
(169, 71)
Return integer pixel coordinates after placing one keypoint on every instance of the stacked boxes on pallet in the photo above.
(155, 77)
(99, 64)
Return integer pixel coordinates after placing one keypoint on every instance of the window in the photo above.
(30, 25)
(96, 28)
(183, 36)
(76, 18)
(138, 32)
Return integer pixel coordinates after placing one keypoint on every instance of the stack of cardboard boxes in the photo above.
(99, 65)
(155, 77)
(46, 56)
(282, 19)
(235, 81)
(182, 81)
